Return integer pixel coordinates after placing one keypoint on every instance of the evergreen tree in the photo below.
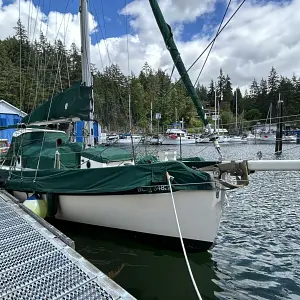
(221, 86)
(202, 94)
(273, 83)
(211, 94)
(227, 93)
(47, 69)
(237, 97)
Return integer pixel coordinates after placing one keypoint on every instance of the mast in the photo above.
(278, 144)
(215, 109)
(270, 117)
(151, 118)
(86, 69)
(129, 109)
(236, 111)
(167, 34)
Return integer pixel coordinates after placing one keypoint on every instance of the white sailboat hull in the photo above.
(184, 141)
(128, 141)
(153, 140)
(202, 141)
(237, 140)
(199, 212)
(267, 139)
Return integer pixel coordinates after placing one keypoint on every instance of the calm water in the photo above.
(256, 254)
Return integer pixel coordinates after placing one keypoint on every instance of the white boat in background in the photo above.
(223, 138)
(237, 139)
(176, 137)
(267, 138)
(128, 139)
(289, 139)
(251, 138)
(154, 140)
(112, 138)
(202, 140)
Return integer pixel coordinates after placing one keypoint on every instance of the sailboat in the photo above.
(236, 138)
(268, 136)
(105, 186)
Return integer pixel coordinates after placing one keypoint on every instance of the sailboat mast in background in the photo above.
(151, 118)
(86, 69)
(215, 109)
(129, 109)
(236, 112)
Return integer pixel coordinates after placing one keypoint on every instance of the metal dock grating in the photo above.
(36, 264)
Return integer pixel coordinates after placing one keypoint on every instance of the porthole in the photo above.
(88, 164)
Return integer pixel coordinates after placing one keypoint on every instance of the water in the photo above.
(256, 254)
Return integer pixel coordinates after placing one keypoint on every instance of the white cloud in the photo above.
(55, 26)
(260, 36)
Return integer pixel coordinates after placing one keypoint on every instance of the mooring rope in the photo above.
(181, 240)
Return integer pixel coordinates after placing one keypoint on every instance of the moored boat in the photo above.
(129, 138)
(175, 136)
(101, 186)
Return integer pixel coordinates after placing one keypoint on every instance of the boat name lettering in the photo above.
(155, 188)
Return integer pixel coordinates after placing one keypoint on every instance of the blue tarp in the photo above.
(78, 131)
(6, 120)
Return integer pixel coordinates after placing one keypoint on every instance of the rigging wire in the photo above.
(181, 238)
(31, 52)
(50, 105)
(36, 48)
(212, 45)
(65, 30)
(115, 87)
(45, 53)
(29, 18)
(103, 34)
(212, 41)
(20, 66)
(47, 116)
(39, 58)
(97, 38)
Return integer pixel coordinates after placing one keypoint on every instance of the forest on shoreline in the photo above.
(49, 68)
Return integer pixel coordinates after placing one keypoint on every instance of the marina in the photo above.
(39, 262)
(146, 201)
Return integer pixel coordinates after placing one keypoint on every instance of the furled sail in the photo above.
(71, 104)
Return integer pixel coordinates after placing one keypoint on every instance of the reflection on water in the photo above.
(256, 254)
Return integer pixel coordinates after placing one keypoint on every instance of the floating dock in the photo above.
(39, 262)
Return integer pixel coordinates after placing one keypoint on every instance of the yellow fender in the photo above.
(36, 205)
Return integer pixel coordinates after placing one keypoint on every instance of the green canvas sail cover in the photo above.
(72, 103)
(106, 180)
(34, 144)
(106, 154)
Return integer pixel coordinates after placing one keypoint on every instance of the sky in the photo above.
(261, 35)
